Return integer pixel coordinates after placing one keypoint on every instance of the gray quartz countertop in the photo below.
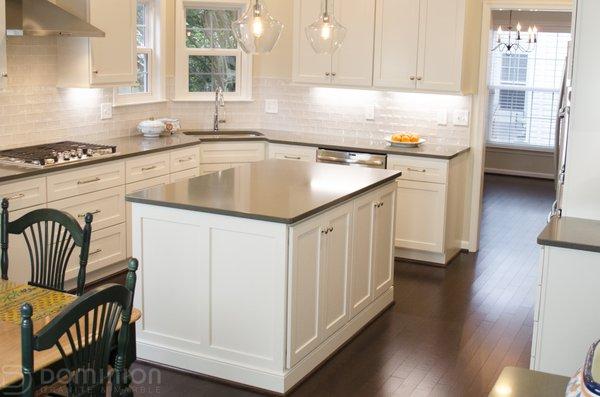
(138, 145)
(573, 233)
(273, 190)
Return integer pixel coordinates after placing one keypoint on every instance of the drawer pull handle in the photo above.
(95, 252)
(96, 179)
(81, 216)
(15, 196)
(148, 168)
(422, 170)
(186, 160)
(292, 157)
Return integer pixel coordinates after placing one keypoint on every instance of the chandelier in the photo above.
(512, 41)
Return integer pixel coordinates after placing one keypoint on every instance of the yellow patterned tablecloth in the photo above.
(44, 302)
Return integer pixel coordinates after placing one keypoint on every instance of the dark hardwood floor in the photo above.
(451, 330)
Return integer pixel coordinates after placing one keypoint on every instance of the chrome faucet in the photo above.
(219, 103)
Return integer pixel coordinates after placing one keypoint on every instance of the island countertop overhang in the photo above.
(279, 191)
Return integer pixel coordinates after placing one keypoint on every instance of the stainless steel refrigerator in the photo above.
(562, 133)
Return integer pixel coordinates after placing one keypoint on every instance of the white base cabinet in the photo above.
(268, 312)
(430, 206)
(565, 324)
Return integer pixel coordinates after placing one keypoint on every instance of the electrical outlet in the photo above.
(370, 112)
(106, 111)
(442, 117)
(461, 118)
(272, 106)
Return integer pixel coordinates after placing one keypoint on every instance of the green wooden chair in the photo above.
(84, 333)
(51, 236)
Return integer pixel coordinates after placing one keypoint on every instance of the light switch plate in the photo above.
(370, 112)
(442, 117)
(461, 118)
(106, 111)
(272, 106)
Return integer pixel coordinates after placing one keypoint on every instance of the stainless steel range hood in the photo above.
(44, 18)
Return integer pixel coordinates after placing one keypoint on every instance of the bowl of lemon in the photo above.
(405, 139)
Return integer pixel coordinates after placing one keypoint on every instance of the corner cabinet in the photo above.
(343, 68)
(427, 45)
(99, 61)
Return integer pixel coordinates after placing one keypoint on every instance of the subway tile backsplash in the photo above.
(33, 110)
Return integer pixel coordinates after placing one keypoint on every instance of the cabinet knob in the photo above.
(96, 72)
(5, 75)
(419, 78)
(334, 74)
(412, 78)
(327, 74)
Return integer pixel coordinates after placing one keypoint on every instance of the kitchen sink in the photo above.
(206, 134)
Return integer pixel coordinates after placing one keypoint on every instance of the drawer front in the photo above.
(420, 170)
(210, 168)
(185, 159)
(184, 175)
(23, 194)
(107, 206)
(107, 247)
(85, 180)
(290, 152)
(232, 152)
(147, 167)
(148, 183)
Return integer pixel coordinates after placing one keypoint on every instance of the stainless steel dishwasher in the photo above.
(351, 158)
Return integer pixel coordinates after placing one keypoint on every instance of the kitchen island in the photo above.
(257, 274)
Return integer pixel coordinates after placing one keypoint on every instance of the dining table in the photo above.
(46, 304)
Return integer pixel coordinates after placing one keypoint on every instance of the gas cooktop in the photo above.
(42, 156)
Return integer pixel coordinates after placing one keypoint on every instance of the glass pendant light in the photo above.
(257, 31)
(326, 34)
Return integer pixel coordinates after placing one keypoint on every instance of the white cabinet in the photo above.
(24, 193)
(147, 167)
(100, 61)
(371, 272)
(221, 156)
(3, 62)
(429, 207)
(184, 175)
(292, 152)
(320, 252)
(90, 179)
(427, 45)
(396, 43)
(344, 67)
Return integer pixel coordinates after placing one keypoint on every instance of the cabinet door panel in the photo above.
(383, 244)
(308, 66)
(396, 43)
(348, 68)
(114, 56)
(420, 216)
(304, 294)
(3, 59)
(361, 285)
(441, 45)
(335, 271)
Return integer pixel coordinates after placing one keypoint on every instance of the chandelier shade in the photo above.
(256, 31)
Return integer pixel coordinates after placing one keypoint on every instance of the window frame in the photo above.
(155, 34)
(182, 54)
(516, 86)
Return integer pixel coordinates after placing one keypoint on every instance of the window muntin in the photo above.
(524, 91)
(208, 55)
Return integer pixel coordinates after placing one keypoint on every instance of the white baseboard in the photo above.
(540, 175)
(274, 381)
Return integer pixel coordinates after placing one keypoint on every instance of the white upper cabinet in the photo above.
(427, 45)
(3, 64)
(396, 43)
(100, 61)
(352, 64)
